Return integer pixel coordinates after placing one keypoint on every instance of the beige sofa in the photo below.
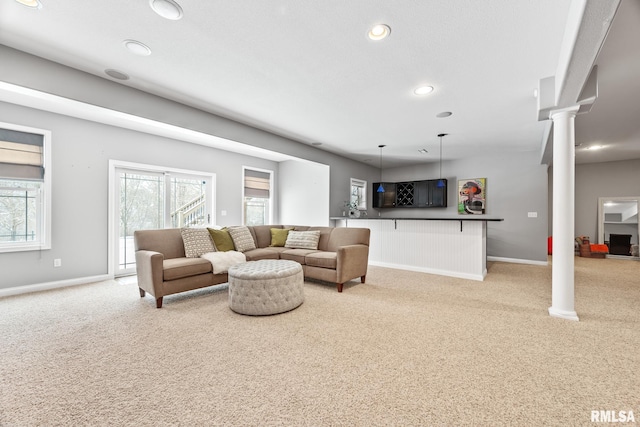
(163, 269)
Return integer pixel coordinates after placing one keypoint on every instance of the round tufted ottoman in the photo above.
(267, 286)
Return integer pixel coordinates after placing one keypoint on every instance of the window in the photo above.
(257, 196)
(25, 186)
(359, 193)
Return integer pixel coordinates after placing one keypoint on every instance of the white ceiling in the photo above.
(306, 70)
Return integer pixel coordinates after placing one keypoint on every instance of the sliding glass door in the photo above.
(150, 199)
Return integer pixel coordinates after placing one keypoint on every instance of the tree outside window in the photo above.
(359, 194)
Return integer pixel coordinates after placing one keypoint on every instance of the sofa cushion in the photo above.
(177, 268)
(262, 234)
(261, 253)
(197, 241)
(242, 238)
(325, 234)
(222, 239)
(322, 259)
(279, 236)
(297, 255)
(303, 239)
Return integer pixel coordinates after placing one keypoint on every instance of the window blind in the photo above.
(256, 184)
(21, 155)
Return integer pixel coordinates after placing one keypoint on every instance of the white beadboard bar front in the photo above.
(454, 247)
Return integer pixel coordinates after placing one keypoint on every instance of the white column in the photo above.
(562, 280)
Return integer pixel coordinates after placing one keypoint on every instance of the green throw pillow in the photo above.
(279, 236)
(222, 239)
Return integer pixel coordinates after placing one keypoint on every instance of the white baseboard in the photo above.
(53, 285)
(517, 260)
(478, 277)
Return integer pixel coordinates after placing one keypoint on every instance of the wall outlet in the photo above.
(533, 215)
(57, 262)
(223, 213)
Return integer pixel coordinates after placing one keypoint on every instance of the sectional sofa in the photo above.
(163, 267)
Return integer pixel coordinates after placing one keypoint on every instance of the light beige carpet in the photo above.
(403, 349)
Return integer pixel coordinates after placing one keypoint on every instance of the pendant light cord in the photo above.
(440, 156)
(381, 147)
(380, 187)
(440, 135)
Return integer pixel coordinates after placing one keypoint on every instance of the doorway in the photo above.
(151, 197)
(618, 225)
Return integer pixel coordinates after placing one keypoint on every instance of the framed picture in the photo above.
(472, 196)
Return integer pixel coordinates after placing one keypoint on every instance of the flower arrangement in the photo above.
(351, 206)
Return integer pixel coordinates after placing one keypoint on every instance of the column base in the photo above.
(563, 314)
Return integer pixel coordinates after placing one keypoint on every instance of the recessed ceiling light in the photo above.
(423, 90)
(423, 151)
(34, 4)
(444, 114)
(168, 9)
(379, 32)
(116, 74)
(137, 47)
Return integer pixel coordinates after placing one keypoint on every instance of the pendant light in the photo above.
(441, 181)
(380, 187)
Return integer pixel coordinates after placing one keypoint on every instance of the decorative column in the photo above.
(562, 280)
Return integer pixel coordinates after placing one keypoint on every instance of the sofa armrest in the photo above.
(351, 262)
(149, 272)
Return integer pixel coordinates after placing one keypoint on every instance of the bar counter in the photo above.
(450, 246)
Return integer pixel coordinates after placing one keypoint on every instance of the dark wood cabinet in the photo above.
(411, 194)
(386, 198)
(437, 194)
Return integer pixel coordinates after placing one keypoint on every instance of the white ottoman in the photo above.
(265, 287)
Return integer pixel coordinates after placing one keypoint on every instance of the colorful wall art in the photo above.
(472, 196)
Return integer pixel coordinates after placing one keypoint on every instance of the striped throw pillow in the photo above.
(303, 239)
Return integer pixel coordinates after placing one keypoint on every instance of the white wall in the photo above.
(304, 193)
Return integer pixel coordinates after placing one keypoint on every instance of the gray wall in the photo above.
(593, 180)
(516, 185)
(81, 152)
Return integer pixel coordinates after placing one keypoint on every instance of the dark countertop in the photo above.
(448, 218)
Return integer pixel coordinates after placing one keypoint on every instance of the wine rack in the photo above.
(405, 194)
